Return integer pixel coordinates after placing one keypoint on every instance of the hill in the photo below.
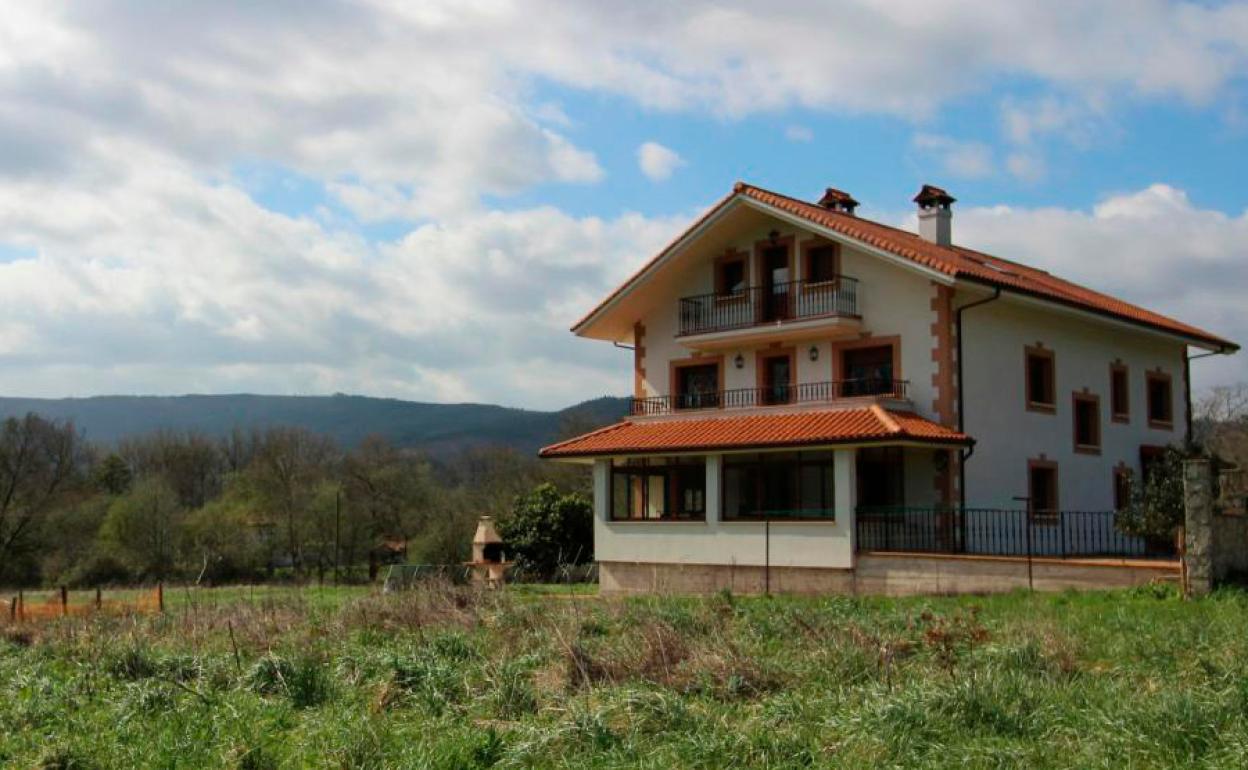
(436, 428)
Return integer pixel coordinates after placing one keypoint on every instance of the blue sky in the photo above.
(416, 200)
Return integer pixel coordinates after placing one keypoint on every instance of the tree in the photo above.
(283, 477)
(39, 462)
(113, 475)
(142, 527)
(547, 528)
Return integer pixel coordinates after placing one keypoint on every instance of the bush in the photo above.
(547, 529)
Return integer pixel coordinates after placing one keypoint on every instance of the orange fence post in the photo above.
(160, 596)
(21, 605)
(64, 601)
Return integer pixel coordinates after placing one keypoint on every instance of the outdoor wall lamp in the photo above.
(814, 352)
(774, 237)
(739, 361)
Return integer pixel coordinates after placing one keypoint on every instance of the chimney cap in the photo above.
(838, 200)
(931, 195)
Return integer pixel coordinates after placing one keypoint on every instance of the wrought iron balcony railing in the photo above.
(758, 305)
(778, 395)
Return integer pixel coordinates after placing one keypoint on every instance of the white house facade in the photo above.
(810, 386)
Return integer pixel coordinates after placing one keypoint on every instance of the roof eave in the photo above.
(1210, 342)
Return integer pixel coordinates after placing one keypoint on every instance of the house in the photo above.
(812, 389)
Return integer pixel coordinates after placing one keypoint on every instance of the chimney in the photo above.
(935, 215)
(838, 200)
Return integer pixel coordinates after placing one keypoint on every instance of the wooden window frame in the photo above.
(721, 291)
(760, 381)
(1122, 474)
(838, 354)
(760, 248)
(759, 459)
(1039, 351)
(1168, 379)
(1048, 516)
(671, 503)
(673, 374)
(1116, 369)
(806, 248)
(1095, 400)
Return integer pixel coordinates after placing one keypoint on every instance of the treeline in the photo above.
(259, 504)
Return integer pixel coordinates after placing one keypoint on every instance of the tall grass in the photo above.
(447, 677)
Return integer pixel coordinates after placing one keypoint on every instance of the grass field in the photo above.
(528, 678)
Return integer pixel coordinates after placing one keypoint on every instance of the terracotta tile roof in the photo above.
(868, 424)
(954, 261)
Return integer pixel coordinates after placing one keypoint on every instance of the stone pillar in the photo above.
(1198, 527)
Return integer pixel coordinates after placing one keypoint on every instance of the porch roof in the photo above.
(866, 425)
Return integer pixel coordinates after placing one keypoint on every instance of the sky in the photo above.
(417, 199)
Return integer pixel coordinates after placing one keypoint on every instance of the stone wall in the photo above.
(1230, 546)
(886, 574)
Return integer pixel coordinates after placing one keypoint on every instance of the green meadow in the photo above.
(447, 677)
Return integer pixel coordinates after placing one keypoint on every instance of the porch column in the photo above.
(602, 489)
(714, 505)
(845, 491)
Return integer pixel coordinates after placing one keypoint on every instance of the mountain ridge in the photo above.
(437, 428)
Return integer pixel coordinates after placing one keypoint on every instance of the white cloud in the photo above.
(165, 282)
(1151, 247)
(796, 133)
(658, 162)
(970, 160)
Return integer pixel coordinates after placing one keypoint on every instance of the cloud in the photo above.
(796, 133)
(970, 160)
(1152, 247)
(657, 162)
(165, 282)
(1026, 166)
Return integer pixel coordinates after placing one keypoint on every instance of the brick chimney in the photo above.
(935, 215)
(838, 200)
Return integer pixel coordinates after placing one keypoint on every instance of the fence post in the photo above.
(64, 601)
(13, 610)
(1198, 529)
(98, 598)
(160, 596)
(21, 604)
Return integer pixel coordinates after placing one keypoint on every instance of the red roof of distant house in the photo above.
(954, 261)
(864, 425)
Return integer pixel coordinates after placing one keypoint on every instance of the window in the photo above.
(1042, 488)
(880, 473)
(821, 263)
(659, 489)
(1087, 411)
(696, 386)
(867, 371)
(775, 378)
(730, 275)
(1119, 393)
(793, 485)
(1122, 487)
(1041, 380)
(1160, 400)
(1151, 458)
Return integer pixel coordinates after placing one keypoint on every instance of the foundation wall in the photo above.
(885, 574)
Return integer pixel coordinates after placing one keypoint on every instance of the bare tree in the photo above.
(39, 460)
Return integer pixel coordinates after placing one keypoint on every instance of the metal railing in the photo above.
(1002, 532)
(756, 305)
(777, 395)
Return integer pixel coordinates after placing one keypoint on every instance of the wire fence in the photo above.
(22, 607)
(1003, 532)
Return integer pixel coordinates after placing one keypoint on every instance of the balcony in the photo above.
(779, 395)
(792, 302)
